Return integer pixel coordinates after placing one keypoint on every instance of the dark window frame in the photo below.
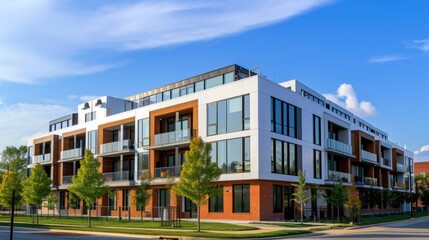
(242, 208)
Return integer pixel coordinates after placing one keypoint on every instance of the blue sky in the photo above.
(372, 56)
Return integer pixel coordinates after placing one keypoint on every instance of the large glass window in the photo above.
(213, 82)
(283, 118)
(166, 95)
(216, 202)
(316, 130)
(241, 198)
(92, 141)
(199, 86)
(229, 77)
(232, 155)
(143, 132)
(211, 118)
(229, 115)
(125, 199)
(284, 157)
(317, 166)
(88, 117)
(142, 163)
(277, 198)
(175, 93)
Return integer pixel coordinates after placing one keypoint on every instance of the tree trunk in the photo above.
(89, 216)
(37, 215)
(141, 215)
(198, 213)
(302, 214)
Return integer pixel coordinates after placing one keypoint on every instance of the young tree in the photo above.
(337, 197)
(11, 181)
(51, 202)
(88, 183)
(36, 187)
(301, 196)
(389, 198)
(353, 204)
(14, 159)
(73, 202)
(197, 173)
(142, 195)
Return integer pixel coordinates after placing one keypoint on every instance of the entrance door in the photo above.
(163, 199)
(288, 203)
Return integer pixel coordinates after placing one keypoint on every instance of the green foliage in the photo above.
(337, 198)
(301, 196)
(11, 181)
(88, 183)
(142, 196)
(37, 186)
(389, 198)
(73, 201)
(14, 159)
(51, 201)
(353, 204)
(197, 173)
(422, 187)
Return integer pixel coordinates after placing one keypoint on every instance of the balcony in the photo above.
(165, 172)
(117, 147)
(169, 140)
(401, 168)
(399, 185)
(368, 156)
(42, 158)
(116, 176)
(385, 162)
(141, 173)
(341, 147)
(371, 181)
(67, 180)
(335, 176)
(72, 154)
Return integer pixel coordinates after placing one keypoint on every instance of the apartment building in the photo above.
(262, 133)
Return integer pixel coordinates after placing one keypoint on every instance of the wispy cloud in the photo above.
(422, 155)
(386, 58)
(83, 98)
(422, 45)
(347, 98)
(18, 121)
(54, 36)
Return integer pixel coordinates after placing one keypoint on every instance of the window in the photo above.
(159, 97)
(229, 77)
(284, 159)
(241, 198)
(317, 166)
(277, 198)
(143, 132)
(213, 82)
(88, 117)
(142, 163)
(232, 155)
(199, 86)
(216, 202)
(283, 118)
(211, 118)
(229, 115)
(166, 95)
(92, 141)
(175, 93)
(113, 201)
(190, 88)
(316, 130)
(125, 199)
(62, 200)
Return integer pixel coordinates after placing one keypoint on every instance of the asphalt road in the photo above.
(21, 233)
(410, 229)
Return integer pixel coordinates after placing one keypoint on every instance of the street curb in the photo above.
(385, 223)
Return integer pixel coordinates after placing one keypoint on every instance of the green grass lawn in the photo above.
(391, 218)
(101, 222)
(291, 225)
(136, 227)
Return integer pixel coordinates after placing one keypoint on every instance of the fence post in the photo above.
(129, 214)
(120, 213)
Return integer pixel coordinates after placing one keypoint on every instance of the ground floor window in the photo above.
(125, 199)
(62, 200)
(216, 202)
(277, 198)
(241, 198)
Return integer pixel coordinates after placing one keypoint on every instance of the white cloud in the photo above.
(386, 58)
(422, 45)
(83, 98)
(54, 36)
(347, 98)
(18, 121)
(422, 155)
